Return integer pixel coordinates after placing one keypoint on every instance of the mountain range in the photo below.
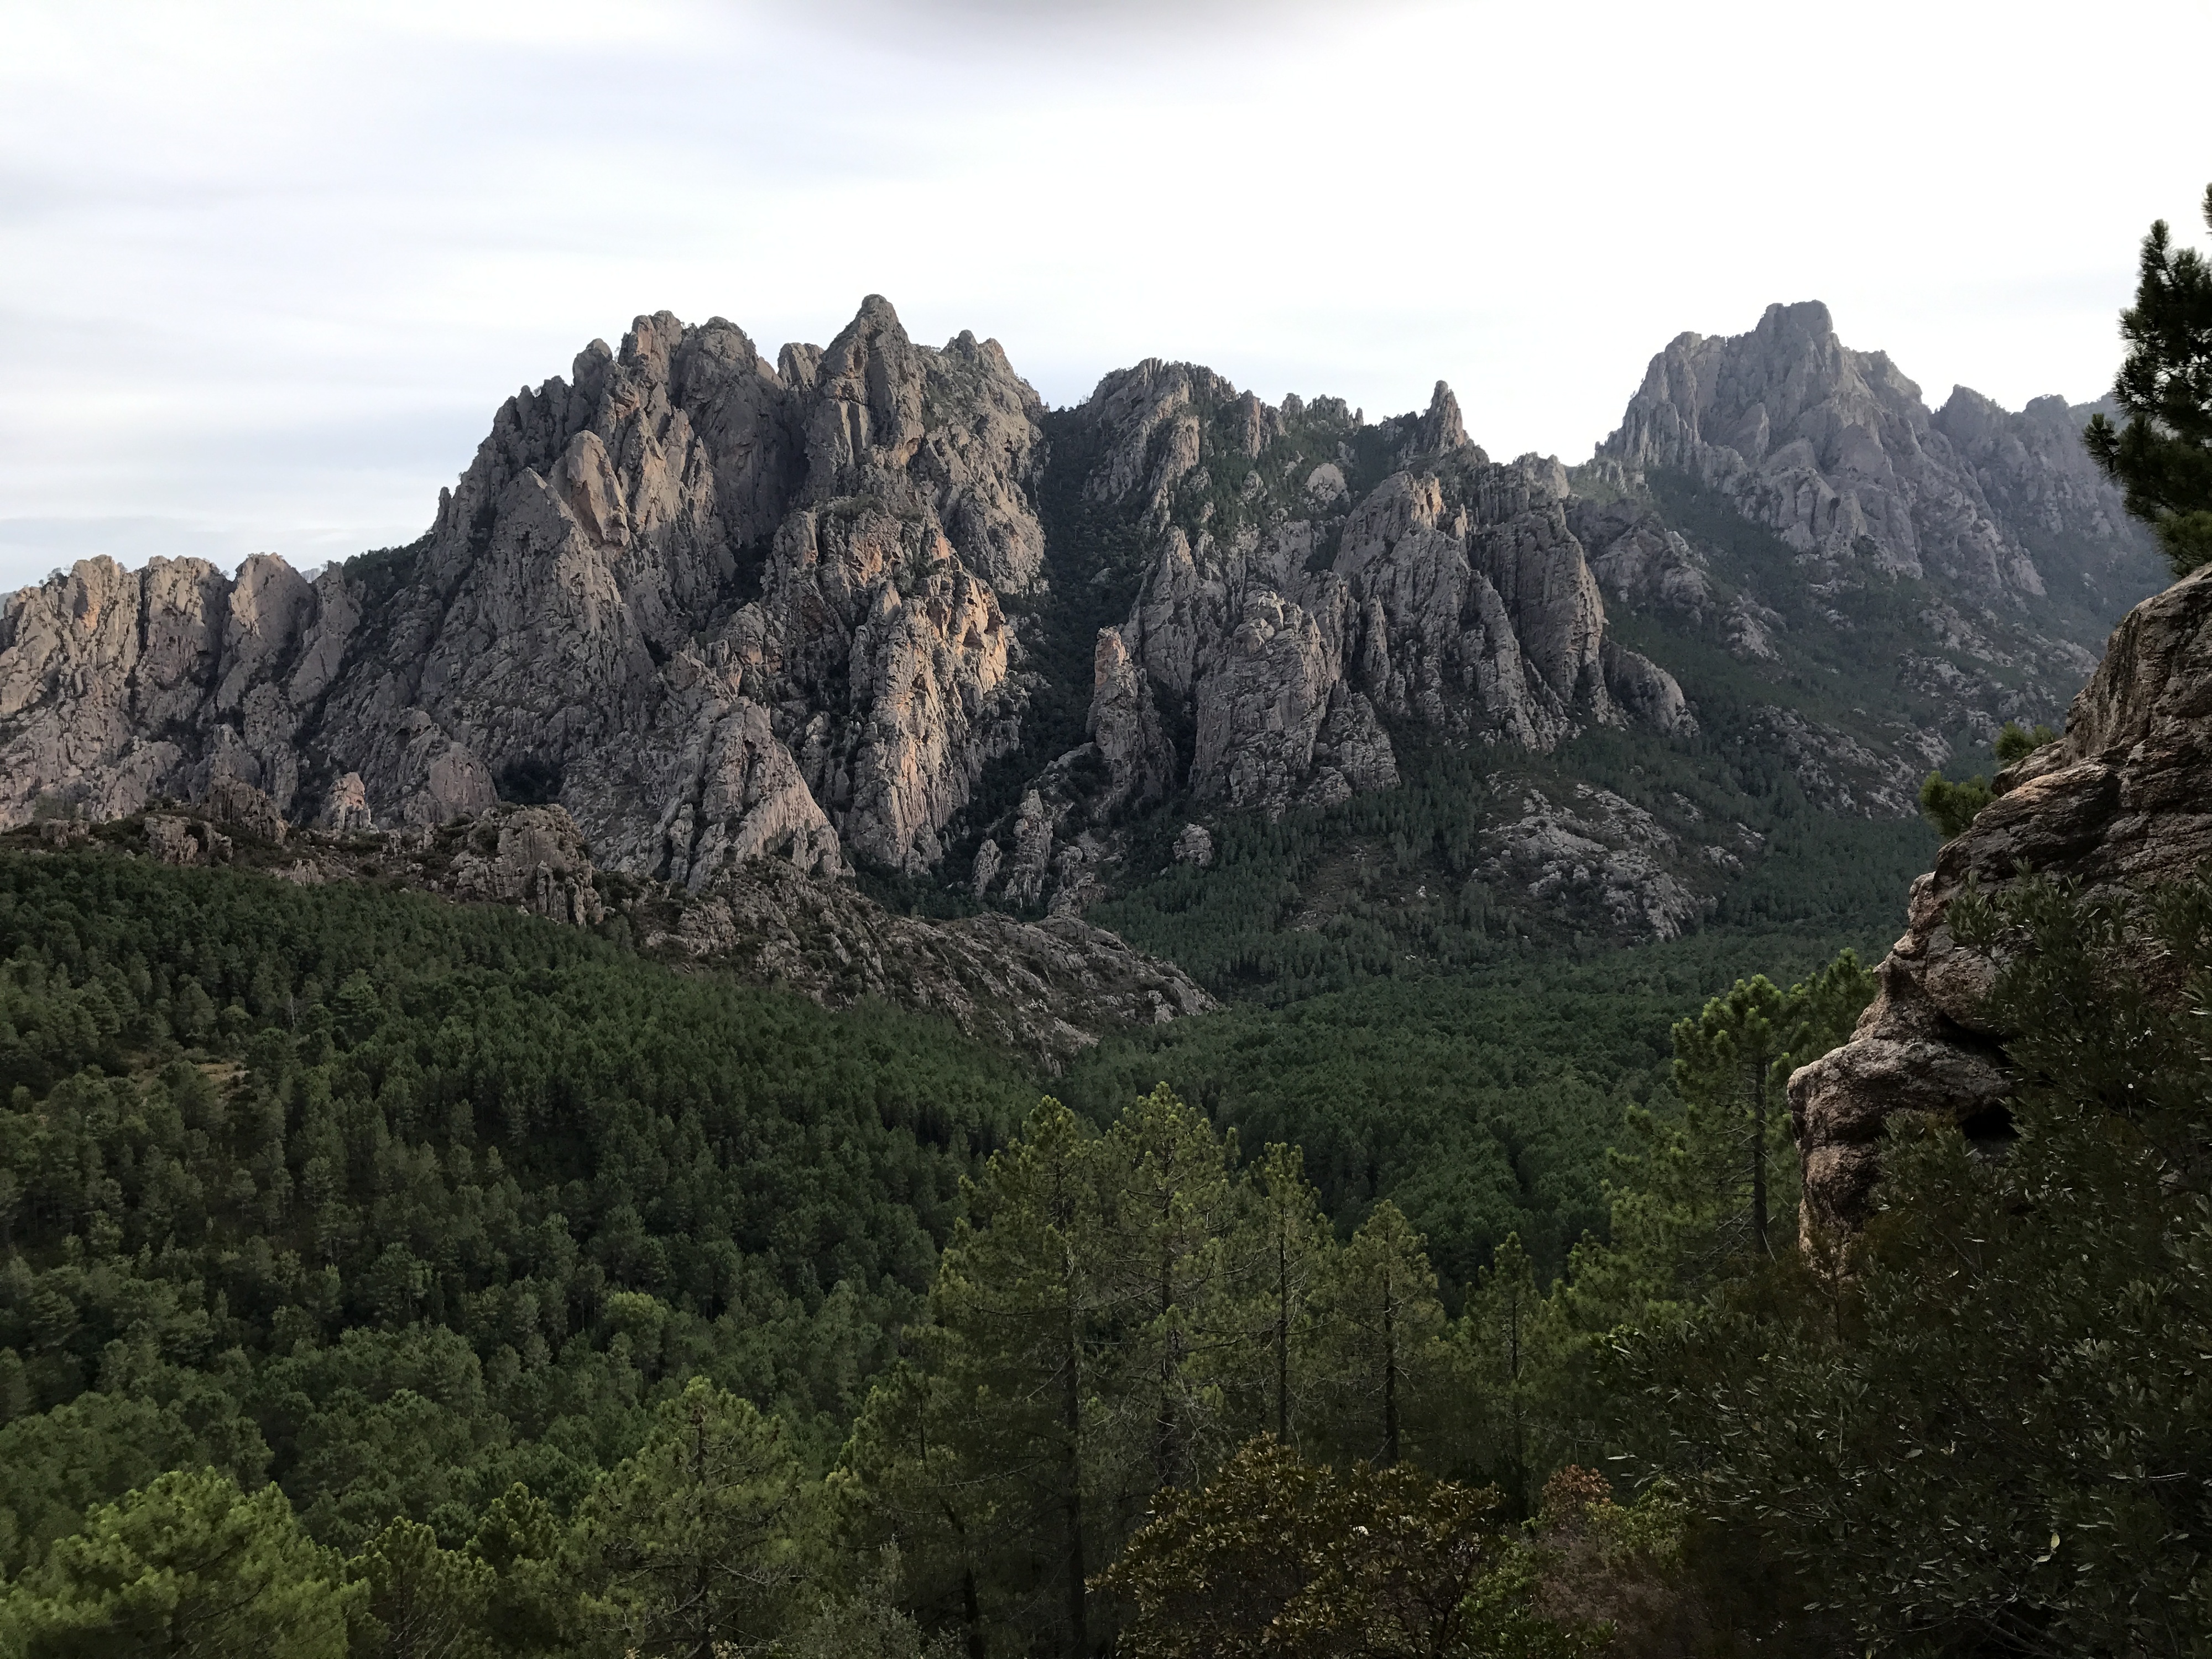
(875, 609)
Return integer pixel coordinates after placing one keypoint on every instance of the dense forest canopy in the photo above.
(543, 1282)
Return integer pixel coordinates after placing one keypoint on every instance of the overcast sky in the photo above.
(265, 271)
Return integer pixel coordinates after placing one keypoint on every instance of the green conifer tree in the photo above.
(1173, 1272)
(693, 1538)
(2163, 455)
(188, 1565)
(1384, 1357)
(1295, 1249)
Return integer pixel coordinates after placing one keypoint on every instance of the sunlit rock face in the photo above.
(722, 610)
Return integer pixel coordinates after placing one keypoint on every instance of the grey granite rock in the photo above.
(1453, 594)
(726, 611)
(1834, 451)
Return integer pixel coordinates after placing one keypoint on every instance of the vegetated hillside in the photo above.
(399, 1201)
(481, 1237)
(427, 1211)
(1483, 1103)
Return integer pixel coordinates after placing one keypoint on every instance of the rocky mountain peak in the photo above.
(1286, 612)
(1834, 451)
(724, 610)
(721, 609)
(1442, 430)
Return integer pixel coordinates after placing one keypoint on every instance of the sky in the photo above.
(266, 272)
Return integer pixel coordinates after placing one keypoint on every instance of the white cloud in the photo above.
(266, 270)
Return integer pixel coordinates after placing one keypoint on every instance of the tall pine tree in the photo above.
(2163, 455)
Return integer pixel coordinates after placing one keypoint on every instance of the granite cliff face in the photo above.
(1451, 595)
(1835, 452)
(1953, 569)
(2123, 798)
(722, 609)
(1307, 584)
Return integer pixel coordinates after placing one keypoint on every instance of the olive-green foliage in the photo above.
(1113, 1320)
(693, 1540)
(1952, 806)
(1482, 1103)
(1680, 1223)
(2016, 742)
(1731, 1066)
(2163, 455)
(1383, 1361)
(188, 1565)
(1282, 1558)
(421, 1599)
(1990, 1436)
(401, 1203)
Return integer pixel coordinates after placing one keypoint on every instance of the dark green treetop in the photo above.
(2163, 455)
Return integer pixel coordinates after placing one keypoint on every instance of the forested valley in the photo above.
(386, 1276)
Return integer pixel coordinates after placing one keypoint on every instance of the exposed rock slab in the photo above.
(1048, 988)
(1596, 854)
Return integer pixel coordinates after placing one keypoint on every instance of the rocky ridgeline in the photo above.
(1313, 581)
(2123, 798)
(709, 601)
(725, 611)
(1834, 449)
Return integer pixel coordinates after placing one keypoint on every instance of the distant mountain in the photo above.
(874, 606)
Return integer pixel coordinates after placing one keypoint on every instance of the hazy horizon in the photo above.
(269, 273)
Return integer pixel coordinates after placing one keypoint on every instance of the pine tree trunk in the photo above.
(703, 1587)
(1389, 1373)
(1072, 1423)
(1282, 1332)
(1163, 1470)
(1758, 1163)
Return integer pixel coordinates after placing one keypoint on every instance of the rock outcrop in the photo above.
(1594, 857)
(1048, 988)
(1286, 621)
(1834, 451)
(2124, 798)
(722, 610)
